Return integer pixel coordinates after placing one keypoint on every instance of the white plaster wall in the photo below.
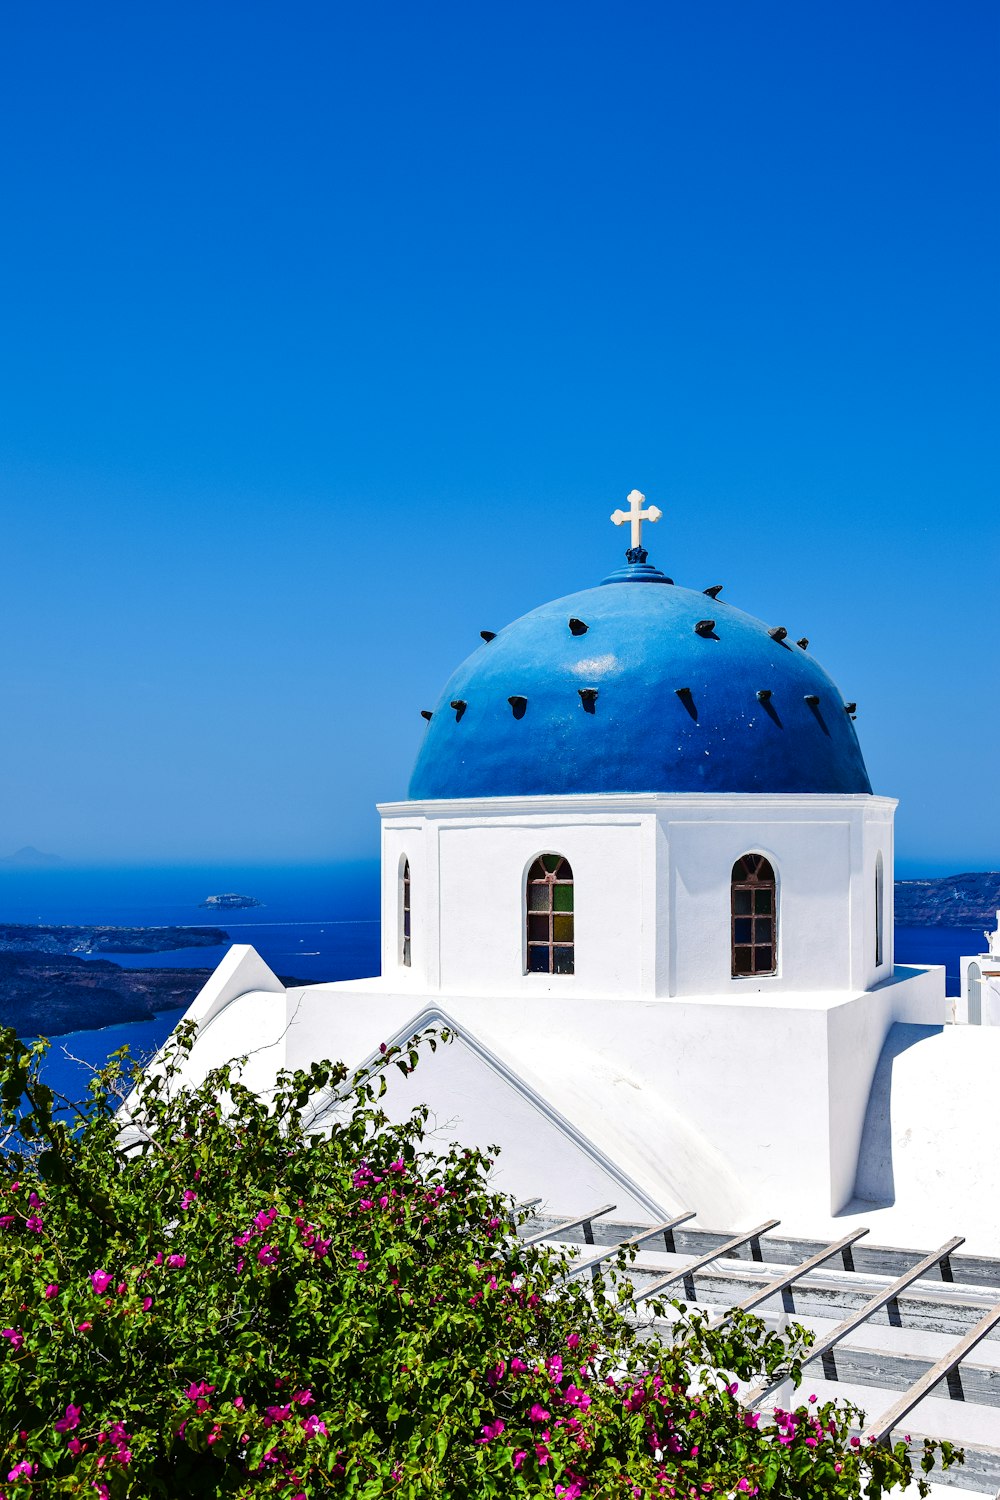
(652, 887)
(729, 1108)
(989, 993)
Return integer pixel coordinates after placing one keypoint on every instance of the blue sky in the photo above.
(332, 334)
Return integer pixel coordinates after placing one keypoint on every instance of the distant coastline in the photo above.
(25, 937)
(967, 900)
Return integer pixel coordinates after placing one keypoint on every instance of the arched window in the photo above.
(879, 904)
(975, 982)
(404, 925)
(550, 916)
(754, 925)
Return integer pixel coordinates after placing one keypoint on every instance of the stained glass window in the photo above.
(754, 917)
(550, 916)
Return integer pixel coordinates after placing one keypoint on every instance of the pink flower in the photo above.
(74, 1445)
(100, 1281)
(313, 1427)
(177, 1262)
(33, 1225)
(84, 1327)
(23, 1470)
(305, 1398)
(147, 1303)
(16, 1337)
(554, 1365)
(519, 1458)
(397, 1166)
(572, 1341)
(538, 1414)
(491, 1430)
(70, 1420)
(188, 1197)
(267, 1255)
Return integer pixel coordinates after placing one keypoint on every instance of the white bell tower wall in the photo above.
(652, 892)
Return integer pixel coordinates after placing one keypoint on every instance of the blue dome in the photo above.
(625, 688)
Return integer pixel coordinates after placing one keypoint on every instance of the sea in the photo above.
(314, 923)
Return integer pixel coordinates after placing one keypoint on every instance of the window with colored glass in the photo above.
(550, 916)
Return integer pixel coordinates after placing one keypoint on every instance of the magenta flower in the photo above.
(84, 1327)
(52, 1290)
(538, 1414)
(519, 1458)
(554, 1365)
(34, 1226)
(491, 1430)
(572, 1341)
(177, 1262)
(267, 1255)
(100, 1281)
(188, 1198)
(23, 1470)
(15, 1335)
(70, 1420)
(313, 1427)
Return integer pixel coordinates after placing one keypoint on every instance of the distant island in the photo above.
(49, 996)
(19, 937)
(230, 901)
(970, 900)
(30, 858)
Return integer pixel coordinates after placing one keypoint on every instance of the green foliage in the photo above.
(224, 1299)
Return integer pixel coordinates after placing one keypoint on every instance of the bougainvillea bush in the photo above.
(225, 1300)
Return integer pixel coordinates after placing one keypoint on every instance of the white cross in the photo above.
(636, 515)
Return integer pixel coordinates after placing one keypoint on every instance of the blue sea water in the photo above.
(316, 923)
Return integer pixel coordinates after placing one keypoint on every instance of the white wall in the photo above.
(989, 991)
(652, 888)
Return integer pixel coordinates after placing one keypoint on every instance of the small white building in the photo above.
(979, 1003)
(642, 876)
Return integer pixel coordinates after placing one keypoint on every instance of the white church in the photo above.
(643, 878)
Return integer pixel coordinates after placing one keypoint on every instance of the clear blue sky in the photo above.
(332, 334)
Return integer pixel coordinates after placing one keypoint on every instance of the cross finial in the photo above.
(636, 515)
